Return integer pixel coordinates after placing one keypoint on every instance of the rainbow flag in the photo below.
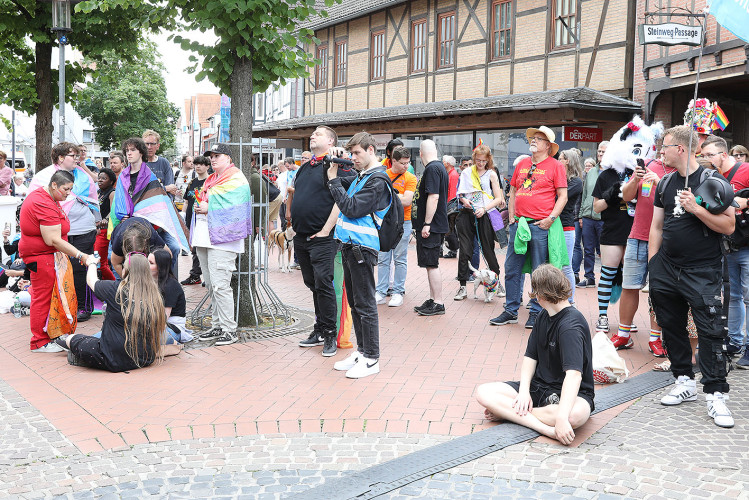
(84, 187)
(721, 120)
(229, 206)
(150, 201)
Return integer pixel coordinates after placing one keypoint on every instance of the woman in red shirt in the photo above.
(44, 231)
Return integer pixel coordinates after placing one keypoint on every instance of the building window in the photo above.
(446, 40)
(501, 28)
(321, 72)
(340, 63)
(418, 46)
(260, 106)
(377, 50)
(88, 136)
(564, 23)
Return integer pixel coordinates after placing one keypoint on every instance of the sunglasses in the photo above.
(740, 155)
(530, 172)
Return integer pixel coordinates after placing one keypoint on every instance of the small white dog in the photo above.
(284, 241)
(489, 280)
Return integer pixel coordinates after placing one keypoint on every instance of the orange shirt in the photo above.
(406, 182)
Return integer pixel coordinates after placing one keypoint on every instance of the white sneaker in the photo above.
(685, 389)
(50, 347)
(501, 290)
(396, 300)
(348, 363)
(717, 409)
(364, 368)
(462, 294)
(380, 299)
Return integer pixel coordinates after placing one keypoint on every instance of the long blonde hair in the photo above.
(142, 308)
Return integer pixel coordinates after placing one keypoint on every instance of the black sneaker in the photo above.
(732, 350)
(433, 309)
(531, 320)
(227, 338)
(191, 280)
(586, 283)
(427, 303)
(451, 255)
(83, 316)
(329, 346)
(313, 340)
(503, 319)
(212, 334)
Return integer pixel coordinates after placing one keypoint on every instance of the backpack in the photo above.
(273, 191)
(390, 229)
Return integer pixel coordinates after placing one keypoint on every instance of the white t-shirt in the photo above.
(282, 183)
(201, 238)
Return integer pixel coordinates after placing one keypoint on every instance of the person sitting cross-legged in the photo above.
(555, 392)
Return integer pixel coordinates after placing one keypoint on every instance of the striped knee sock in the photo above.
(655, 335)
(624, 331)
(604, 288)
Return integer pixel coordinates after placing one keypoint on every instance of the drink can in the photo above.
(646, 187)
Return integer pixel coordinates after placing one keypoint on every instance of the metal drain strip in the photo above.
(380, 479)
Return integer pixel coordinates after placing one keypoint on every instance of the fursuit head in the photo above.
(489, 280)
(284, 241)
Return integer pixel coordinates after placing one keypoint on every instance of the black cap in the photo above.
(219, 149)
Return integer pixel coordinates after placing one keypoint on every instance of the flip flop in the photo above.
(665, 366)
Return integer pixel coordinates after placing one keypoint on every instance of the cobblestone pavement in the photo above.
(648, 451)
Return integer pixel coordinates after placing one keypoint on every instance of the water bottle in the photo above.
(17, 312)
(96, 255)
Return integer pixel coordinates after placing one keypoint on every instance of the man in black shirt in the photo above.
(685, 265)
(313, 217)
(429, 217)
(555, 392)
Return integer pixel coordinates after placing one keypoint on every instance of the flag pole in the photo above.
(696, 89)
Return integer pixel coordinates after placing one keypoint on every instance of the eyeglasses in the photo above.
(530, 172)
(536, 138)
(710, 155)
(670, 146)
(72, 155)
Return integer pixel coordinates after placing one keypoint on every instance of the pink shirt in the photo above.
(644, 211)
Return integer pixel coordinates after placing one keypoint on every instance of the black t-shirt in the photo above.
(174, 297)
(574, 192)
(617, 223)
(133, 180)
(312, 200)
(434, 180)
(155, 240)
(190, 197)
(113, 332)
(687, 242)
(560, 343)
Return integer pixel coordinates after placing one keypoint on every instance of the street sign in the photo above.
(582, 134)
(670, 34)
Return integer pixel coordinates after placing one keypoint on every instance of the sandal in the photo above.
(665, 366)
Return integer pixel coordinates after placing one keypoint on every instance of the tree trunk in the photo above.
(241, 127)
(44, 111)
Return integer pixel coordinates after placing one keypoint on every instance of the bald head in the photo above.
(428, 151)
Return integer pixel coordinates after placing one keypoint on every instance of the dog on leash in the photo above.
(284, 241)
(489, 280)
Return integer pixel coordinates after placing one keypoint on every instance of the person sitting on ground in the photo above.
(555, 392)
(133, 326)
(175, 305)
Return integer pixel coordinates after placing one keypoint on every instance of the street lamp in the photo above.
(61, 25)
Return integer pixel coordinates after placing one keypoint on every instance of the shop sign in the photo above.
(670, 34)
(582, 134)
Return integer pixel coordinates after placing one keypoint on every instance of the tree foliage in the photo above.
(127, 97)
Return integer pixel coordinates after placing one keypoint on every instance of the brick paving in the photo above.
(266, 418)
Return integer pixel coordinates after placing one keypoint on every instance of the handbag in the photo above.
(496, 219)
(608, 366)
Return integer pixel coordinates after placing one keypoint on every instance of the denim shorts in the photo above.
(635, 264)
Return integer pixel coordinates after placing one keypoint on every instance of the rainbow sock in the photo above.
(655, 335)
(624, 331)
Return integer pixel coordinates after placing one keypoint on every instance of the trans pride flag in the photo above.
(229, 206)
(84, 187)
(732, 15)
(150, 201)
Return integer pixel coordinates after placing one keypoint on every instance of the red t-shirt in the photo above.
(39, 209)
(453, 176)
(644, 208)
(535, 196)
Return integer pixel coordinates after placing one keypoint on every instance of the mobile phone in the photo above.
(357, 253)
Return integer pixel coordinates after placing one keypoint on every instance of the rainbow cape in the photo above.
(229, 206)
(150, 201)
(84, 187)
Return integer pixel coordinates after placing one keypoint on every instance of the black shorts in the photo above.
(544, 396)
(428, 250)
(87, 351)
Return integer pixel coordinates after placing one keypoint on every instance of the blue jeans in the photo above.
(577, 253)
(538, 248)
(174, 247)
(400, 255)
(591, 240)
(738, 306)
(475, 262)
(569, 239)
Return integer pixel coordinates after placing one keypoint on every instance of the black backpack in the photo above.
(391, 230)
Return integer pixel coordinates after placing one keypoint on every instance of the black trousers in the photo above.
(195, 272)
(466, 227)
(282, 216)
(451, 238)
(673, 291)
(360, 291)
(84, 243)
(316, 258)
